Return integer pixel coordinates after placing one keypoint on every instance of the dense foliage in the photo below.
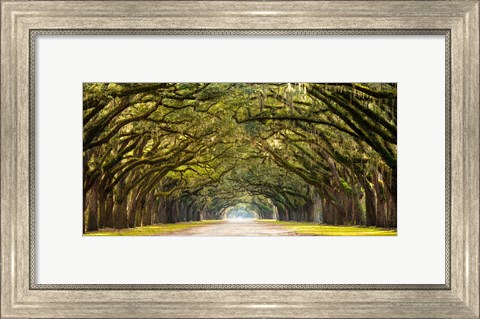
(169, 152)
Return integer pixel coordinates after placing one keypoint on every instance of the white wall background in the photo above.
(415, 256)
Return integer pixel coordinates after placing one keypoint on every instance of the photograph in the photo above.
(239, 159)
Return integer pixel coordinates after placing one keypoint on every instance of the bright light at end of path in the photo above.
(240, 214)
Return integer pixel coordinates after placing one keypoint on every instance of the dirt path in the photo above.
(237, 228)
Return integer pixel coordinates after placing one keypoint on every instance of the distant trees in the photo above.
(169, 152)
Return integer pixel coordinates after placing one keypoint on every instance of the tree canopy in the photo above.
(169, 152)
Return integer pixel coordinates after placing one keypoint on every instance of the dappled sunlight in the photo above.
(312, 229)
(246, 227)
(153, 230)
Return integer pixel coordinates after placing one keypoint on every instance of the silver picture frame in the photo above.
(23, 21)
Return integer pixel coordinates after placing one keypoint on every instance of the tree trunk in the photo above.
(109, 211)
(92, 208)
(119, 209)
(317, 209)
(102, 202)
(370, 205)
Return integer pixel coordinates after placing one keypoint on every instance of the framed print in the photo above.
(239, 159)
